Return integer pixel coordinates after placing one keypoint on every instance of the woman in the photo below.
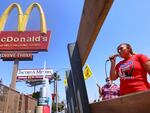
(109, 90)
(132, 70)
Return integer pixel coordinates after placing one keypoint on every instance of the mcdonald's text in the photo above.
(24, 41)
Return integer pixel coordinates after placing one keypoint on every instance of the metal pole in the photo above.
(34, 88)
(53, 98)
(44, 69)
(14, 74)
(56, 95)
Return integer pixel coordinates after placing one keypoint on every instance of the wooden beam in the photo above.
(93, 16)
(132, 103)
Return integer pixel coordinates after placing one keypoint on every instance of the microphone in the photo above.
(112, 57)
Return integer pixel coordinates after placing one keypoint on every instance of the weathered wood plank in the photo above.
(93, 16)
(132, 103)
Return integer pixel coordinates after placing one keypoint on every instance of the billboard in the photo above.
(34, 74)
(24, 41)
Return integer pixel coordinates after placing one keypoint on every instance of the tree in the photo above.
(36, 95)
(53, 107)
(61, 106)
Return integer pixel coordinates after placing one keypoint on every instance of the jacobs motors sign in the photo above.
(32, 74)
(22, 40)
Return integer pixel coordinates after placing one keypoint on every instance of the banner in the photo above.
(87, 72)
(65, 82)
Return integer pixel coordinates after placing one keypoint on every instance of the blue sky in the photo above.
(127, 21)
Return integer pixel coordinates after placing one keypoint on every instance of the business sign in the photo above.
(43, 101)
(9, 56)
(23, 18)
(24, 41)
(34, 74)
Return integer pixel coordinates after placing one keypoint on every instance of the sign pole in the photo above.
(14, 74)
(34, 88)
(56, 94)
(44, 69)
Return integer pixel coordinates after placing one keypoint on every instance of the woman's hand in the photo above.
(113, 58)
(113, 75)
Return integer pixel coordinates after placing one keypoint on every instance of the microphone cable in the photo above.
(106, 68)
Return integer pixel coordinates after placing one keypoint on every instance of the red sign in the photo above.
(32, 78)
(46, 109)
(24, 41)
(16, 55)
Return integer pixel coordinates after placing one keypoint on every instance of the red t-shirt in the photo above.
(133, 77)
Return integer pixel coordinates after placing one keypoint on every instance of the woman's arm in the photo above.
(146, 66)
(145, 61)
(100, 90)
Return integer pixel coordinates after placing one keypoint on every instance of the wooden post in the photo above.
(14, 74)
(77, 78)
(71, 94)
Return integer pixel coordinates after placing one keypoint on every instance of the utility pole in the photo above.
(56, 79)
(56, 95)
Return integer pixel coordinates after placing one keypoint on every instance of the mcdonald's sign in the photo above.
(22, 40)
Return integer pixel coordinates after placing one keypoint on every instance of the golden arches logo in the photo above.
(23, 18)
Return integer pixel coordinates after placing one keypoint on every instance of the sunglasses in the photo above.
(121, 48)
(107, 80)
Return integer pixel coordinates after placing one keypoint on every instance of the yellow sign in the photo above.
(23, 18)
(87, 72)
(65, 82)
